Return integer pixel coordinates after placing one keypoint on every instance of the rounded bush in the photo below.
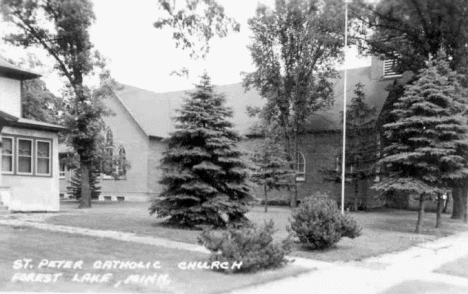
(318, 223)
(252, 246)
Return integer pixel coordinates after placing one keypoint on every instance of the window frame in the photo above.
(62, 173)
(17, 157)
(37, 158)
(15, 138)
(13, 146)
(108, 147)
(300, 173)
(121, 166)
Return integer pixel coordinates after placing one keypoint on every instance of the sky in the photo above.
(143, 56)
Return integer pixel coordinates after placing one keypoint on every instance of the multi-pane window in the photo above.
(25, 156)
(300, 166)
(7, 155)
(43, 158)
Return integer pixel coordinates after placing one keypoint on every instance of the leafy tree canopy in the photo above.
(194, 23)
(294, 48)
(414, 30)
(61, 28)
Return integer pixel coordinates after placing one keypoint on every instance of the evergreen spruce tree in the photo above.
(271, 168)
(74, 190)
(204, 177)
(361, 141)
(428, 145)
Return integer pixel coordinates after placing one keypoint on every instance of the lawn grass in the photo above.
(384, 231)
(26, 242)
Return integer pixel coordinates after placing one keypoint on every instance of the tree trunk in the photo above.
(440, 206)
(422, 202)
(457, 212)
(266, 197)
(85, 187)
(447, 201)
(294, 196)
(356, 188)
(465, 204)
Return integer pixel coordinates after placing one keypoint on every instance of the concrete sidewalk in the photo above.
(409, 271)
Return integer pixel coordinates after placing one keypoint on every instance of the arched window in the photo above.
(120, 165)
(109, 143)
(108, 166)
(300, 166)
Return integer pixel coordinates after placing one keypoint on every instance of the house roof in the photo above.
(154, 112)
(13, 121)
(6, 118)
(38, 125)
(374, 90)
(12, 71)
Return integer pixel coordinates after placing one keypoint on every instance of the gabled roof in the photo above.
(11, 71)
(374, 90)
(154, 111)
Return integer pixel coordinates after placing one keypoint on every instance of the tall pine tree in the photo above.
(428, 144)
(204, 177)
(272, 170)
(361, 140)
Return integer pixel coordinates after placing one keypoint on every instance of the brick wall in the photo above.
(320, 151)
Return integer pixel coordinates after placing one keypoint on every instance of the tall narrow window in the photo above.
(43, 158)
(7, 155)
(300, 167)
(120, 166)
(108, 164)
(25, 156)
(109, 143)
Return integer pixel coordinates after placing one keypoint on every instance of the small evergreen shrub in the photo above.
(252, 245)
(318, 223)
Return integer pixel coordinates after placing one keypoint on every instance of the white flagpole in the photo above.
(343, 158)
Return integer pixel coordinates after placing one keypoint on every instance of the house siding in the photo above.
(157, 147)
(29, 192)
(128, 134)
(10, 96)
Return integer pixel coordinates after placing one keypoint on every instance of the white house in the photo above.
(29, 178)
